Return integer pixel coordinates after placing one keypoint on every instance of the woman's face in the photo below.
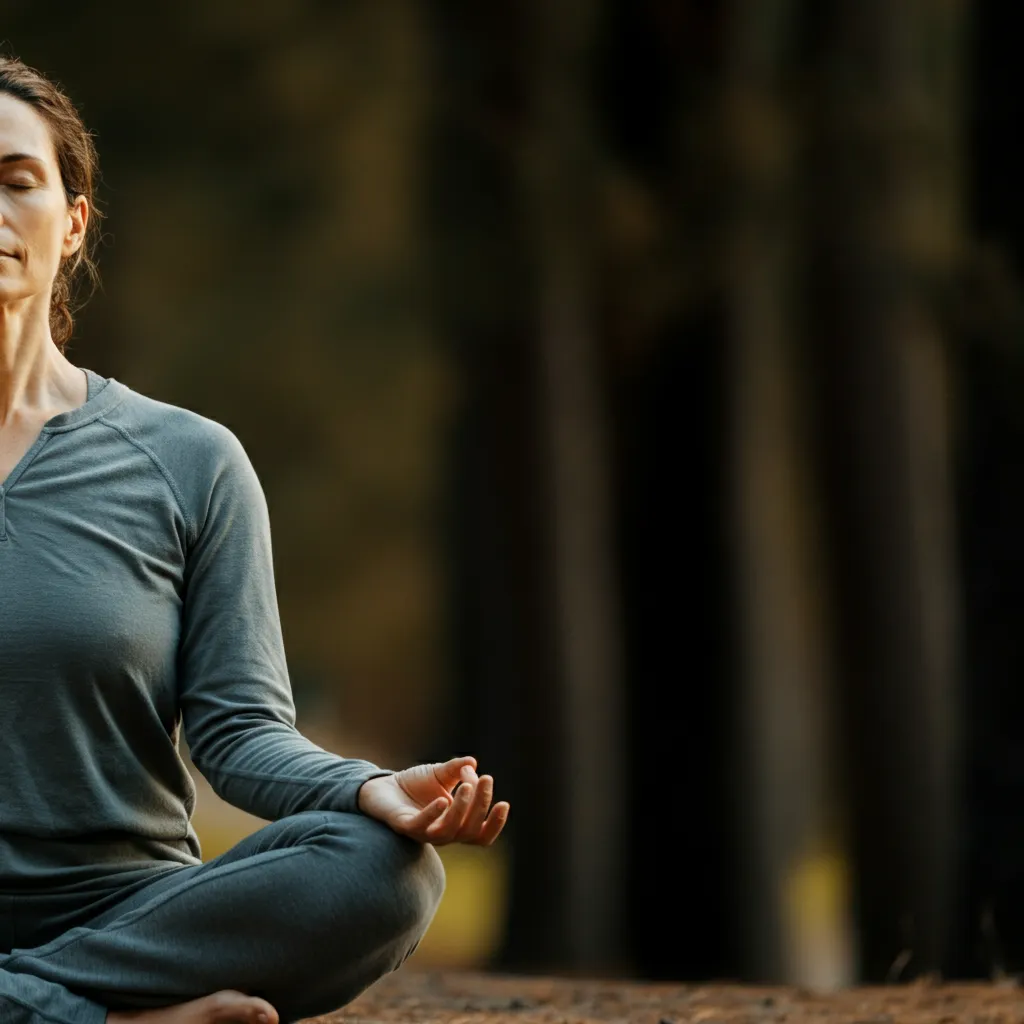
(37, 227)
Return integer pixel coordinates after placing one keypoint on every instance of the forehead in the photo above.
(22, 130)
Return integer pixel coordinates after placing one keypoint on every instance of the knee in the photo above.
(425, 894)
(405, 879)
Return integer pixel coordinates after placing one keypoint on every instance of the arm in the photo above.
(234, 691)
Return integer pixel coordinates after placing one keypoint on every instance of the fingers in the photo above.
(494, 824)
(448, 828)
(418, 826)
(467, 820)
(460, 817)
(450, 773)
(478, 810)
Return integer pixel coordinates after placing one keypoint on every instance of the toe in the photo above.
(231, 1006)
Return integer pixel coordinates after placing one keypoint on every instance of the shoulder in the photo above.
(203, 459)
(181, 438)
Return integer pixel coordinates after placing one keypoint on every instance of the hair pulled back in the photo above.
(78, 163)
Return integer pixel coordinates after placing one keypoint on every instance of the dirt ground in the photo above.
(425, 997)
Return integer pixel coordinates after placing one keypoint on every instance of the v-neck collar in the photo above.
(103, 394)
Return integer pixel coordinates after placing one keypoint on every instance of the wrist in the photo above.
(364, 786)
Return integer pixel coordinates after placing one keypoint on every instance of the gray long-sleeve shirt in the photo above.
(137, 596)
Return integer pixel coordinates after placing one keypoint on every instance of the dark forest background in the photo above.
(637, 390)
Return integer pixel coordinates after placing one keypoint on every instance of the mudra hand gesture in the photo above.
(417, 802)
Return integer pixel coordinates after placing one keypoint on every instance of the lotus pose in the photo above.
(137, 599)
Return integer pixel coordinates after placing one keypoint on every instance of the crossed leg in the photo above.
(304, 914)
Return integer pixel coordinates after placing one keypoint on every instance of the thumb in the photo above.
(450, 772)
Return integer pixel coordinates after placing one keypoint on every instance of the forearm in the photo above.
(272, 771)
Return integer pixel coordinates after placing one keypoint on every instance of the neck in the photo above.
(34, 375)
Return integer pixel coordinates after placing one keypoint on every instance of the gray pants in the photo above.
(306, 913)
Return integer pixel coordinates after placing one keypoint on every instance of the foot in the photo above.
(226, 1007)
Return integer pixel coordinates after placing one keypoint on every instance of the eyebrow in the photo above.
(17, 158)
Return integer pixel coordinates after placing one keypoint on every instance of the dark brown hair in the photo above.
(77, 160)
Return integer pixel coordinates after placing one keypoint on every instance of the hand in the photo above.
(417, 803)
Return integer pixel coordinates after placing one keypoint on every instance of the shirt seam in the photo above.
(190, 526)
(116, 400)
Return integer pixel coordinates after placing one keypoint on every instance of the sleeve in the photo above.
(233, 687)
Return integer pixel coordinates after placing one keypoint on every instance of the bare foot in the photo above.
(226, 1007)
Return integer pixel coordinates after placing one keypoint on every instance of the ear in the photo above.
(77, 220)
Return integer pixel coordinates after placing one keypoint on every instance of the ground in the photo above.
(458, 997)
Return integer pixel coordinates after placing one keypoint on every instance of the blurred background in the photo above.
(636, 386)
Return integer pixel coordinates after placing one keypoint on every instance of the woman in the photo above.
(137, 597)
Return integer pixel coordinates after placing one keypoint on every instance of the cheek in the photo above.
(42, 228)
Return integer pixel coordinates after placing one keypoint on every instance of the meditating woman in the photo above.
(137, 597)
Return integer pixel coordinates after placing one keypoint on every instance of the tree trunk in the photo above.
(888, 218)
(560, 175)
(793, 871)
(515, 158)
